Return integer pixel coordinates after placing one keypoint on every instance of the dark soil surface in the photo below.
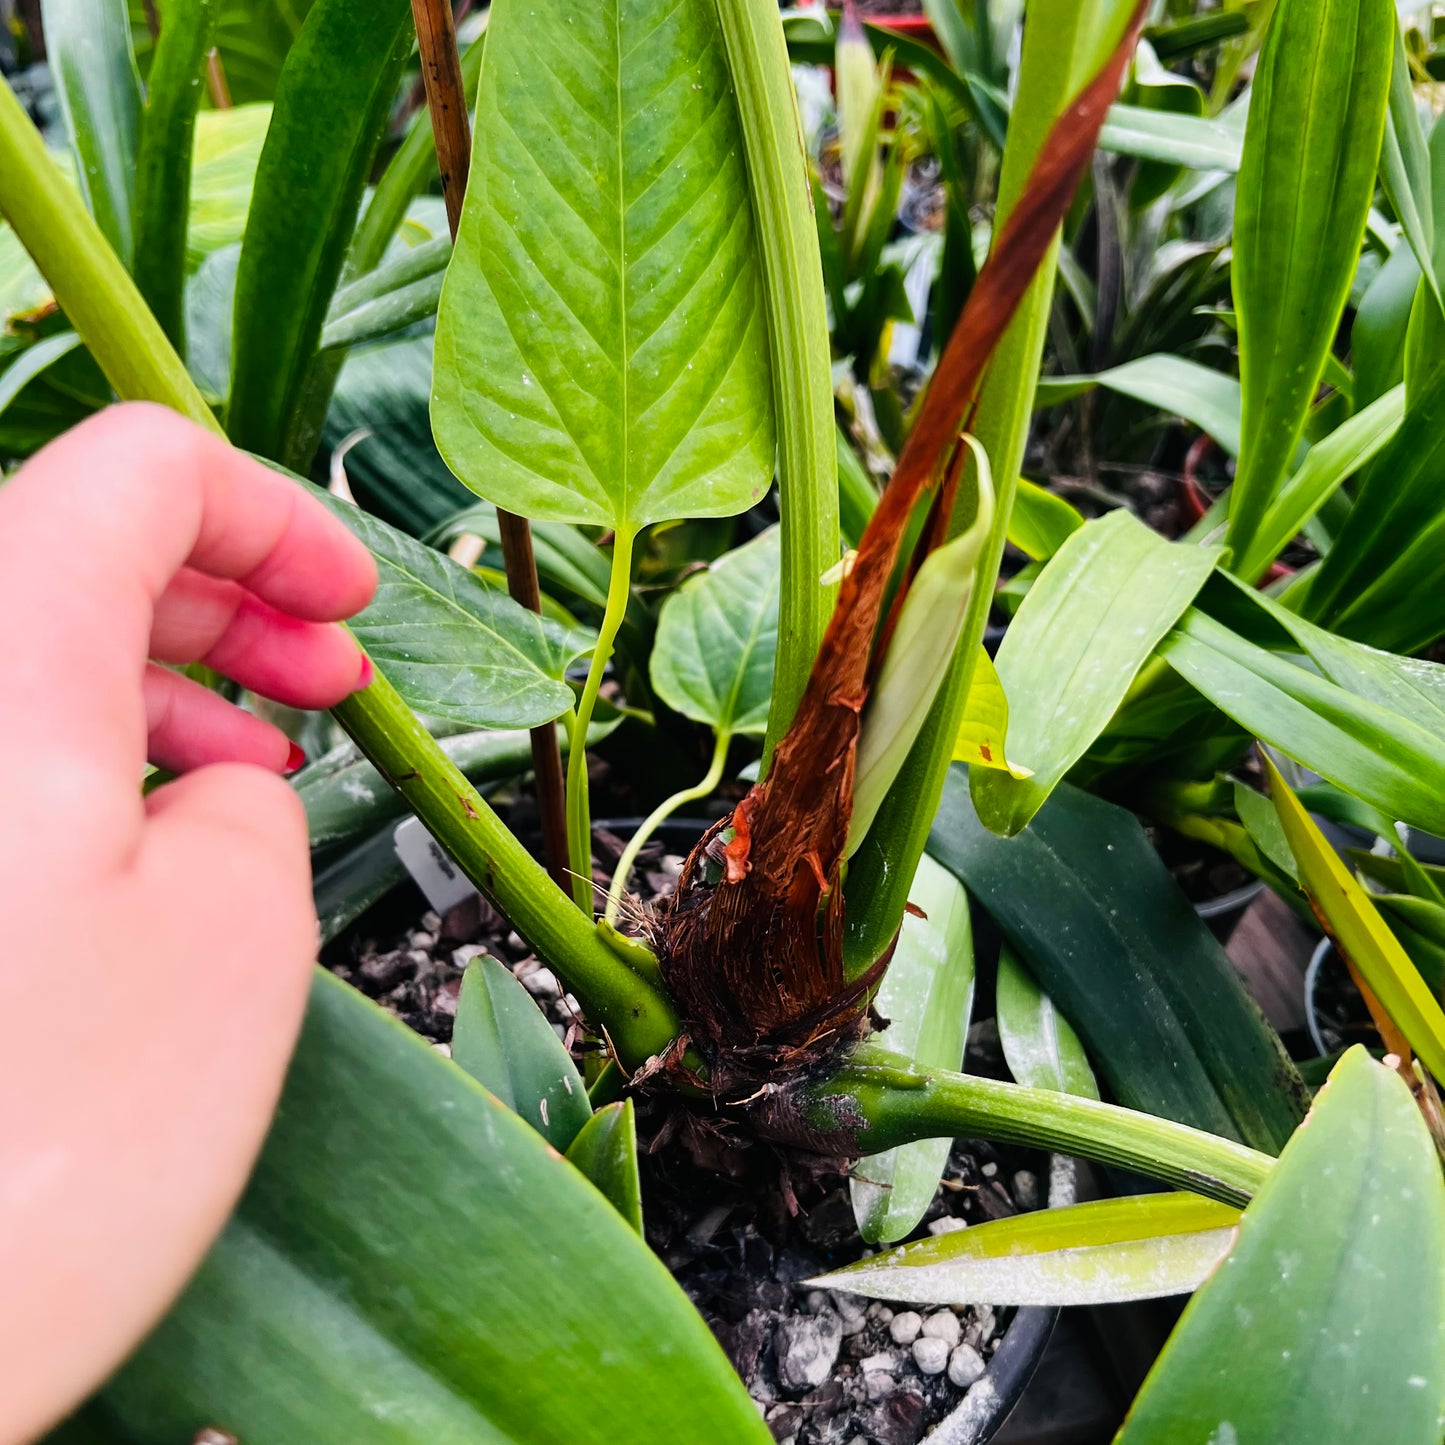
(742, 1228)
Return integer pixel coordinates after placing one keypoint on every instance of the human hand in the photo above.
(156, 950)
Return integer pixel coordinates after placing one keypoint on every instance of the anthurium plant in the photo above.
(653, 298)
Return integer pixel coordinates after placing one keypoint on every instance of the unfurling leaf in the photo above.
(984, 730)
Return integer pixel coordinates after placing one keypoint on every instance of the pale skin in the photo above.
(156, 949)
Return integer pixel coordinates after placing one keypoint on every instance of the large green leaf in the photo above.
(1175, 385)
(331, 107)
(1104, 1252)
(602, 349)
(227, 148)
(717, 636)
(1086, 627)
(927, 997)
(1091, 909)
(163, 180)
(1324, 1323)
(1040, 1047)
(503, 1040)
(88, 46)
(413, 1265)
(1306, 181)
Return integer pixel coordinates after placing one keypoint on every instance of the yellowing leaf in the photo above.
(984, 728)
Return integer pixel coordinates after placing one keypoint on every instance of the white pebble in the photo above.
(943, 1326)
(930, 1355)
(878, 1384)
(989, 1170)
(965, 1366)
(1026, 1189)
(881, 1363)
(541, 982)
(947, 1225)
(905, 1327)
(462, 956)
(431, 921)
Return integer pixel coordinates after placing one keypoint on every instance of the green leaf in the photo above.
(717, 636)
(1324, 1321)
(602, 348)
(396, 294)
(503, 1040)
(453, 647)
(1373, 724)
(1088, 624)
(227, 149)
(1040, 1047)
(1105, 1252)
(1306, 182)
(1405, 167)
(88, 46)
(983, 734)
(605, 1150)
(1355, 925)
(1183, 388)
(927, 998)
(412, 1265)
(1090, 908)
(163, 167)
(332, 104)
(32, 362)
(1041, 520)
(1180, 140)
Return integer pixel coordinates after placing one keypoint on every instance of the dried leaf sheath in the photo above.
(755, 958)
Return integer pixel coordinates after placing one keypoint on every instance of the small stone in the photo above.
(904, 1328)
(807, 1347)
(882, 1363)
(816, 1301)
(943, 1326)
(878, 1384)
(1026, 1189)
(423, 940)
(541, 982)
(930, 1355)
(982, 1327)
(965, 1366)
(989, 1170)
(948, 1224)
(462, 956)
(431, 921)
(445, 1050)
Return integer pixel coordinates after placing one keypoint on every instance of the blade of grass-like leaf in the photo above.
(163, 166)
(1039, 1044)
(605, 1150)
(1104, 1252)
(1041, 520)
(33, 362)
(503, 1040)
(927, 998)
(382, 316)
(332, 104)
(1324, 1319)
(1405, 167)
(1355, 925)
(1175, 385)
(1306, 182)
(88, 46)
(427, 1273)
(1088, 624)
(414, 274)
(1181, 140)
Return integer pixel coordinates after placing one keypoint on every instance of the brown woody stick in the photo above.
(441, 69)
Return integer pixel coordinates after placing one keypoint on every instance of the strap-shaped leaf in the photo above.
(413, 1265)
(717, 636)
(1104, 1252)
(927, 998)
(605, 1150)
(1087, 626)
(602, 346)
(506, 1044)
(1039, 1044)
(1323, 1322)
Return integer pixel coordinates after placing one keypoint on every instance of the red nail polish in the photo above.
(367, 673)
(295, 760)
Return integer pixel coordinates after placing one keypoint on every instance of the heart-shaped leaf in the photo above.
(602, 351)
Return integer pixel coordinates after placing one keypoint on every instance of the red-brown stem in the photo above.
(441, 69)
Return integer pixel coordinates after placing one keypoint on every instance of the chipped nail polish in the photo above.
(295, 760)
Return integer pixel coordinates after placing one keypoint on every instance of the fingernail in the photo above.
(295, 760)
(367, 673)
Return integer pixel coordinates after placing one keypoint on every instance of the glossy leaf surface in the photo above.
(1086, 627)
(1104, 1252)
(427, 1273)
(717, 637)
(602, 345)
(1083, 897)
(927, 998)
(1041, 520)
(982, 738)
(1306, 182)
(1324, 1321)
(1039, 1044)
(605, 1150)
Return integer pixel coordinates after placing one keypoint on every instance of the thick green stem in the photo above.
(1064, 44)
(664, 809)
(782, 203)
(579, 816)
(91, 286)
(899, 1103)
(638, 1018)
